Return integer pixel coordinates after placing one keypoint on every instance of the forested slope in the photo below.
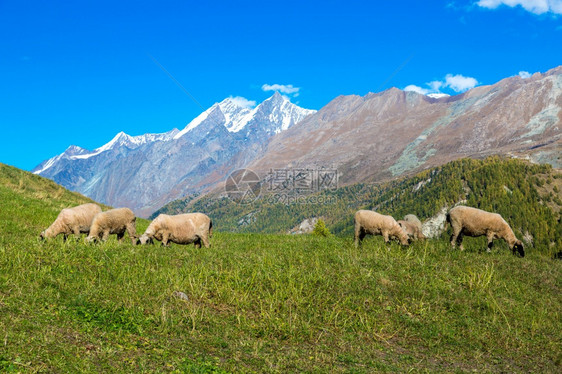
(527, 195)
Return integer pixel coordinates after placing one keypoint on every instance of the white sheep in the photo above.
(180, 229)
(476, 222)
(372, 223)
(411, 229)
(413, 219)
(114, 221)
(75, 221)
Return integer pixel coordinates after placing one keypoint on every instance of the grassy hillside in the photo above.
(527, 195)
(264, 303)
(28, 202)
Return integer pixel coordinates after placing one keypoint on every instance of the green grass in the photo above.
(267, 303)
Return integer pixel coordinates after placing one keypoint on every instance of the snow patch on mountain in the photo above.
(47, 164)
(195, 122)
(120, 140)
(237, 116)
(437, 95)
(234, 113)
(131, 142)
(281, 112)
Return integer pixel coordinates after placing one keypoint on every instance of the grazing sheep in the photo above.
(75, 221)
(411, 229)
(413, 219)
(114, 221)
(369, 222)
(475, 222)
(187, 228)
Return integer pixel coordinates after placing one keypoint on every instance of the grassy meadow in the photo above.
(264, 302)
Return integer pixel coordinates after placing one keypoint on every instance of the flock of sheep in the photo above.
(189, 228)
(196, 228)
(464, 221)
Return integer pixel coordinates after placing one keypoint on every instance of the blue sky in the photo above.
(78, 72)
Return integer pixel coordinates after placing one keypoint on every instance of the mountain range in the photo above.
(384, 135)
(145, 172)
(369, 138)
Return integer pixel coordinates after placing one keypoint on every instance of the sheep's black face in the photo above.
(518, 248)
(144, 239)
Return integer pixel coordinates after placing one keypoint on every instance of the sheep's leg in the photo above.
(105, 235)
(205, 241)
(490, 237)
(120, 236)
(76, 232)
(197, 243)
(456, 237)
(64, 236)
(358, 238)
(165, 237)
(459, 241)
(132, 231)
(385, 236)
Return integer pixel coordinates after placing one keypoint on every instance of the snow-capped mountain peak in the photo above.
(74, 150)
(236, 116)
(122, 139)
(132, 142)
(146, 171)
(277, 98)
(196, 121)
(281, 113)
(277, 109)
(125, 140)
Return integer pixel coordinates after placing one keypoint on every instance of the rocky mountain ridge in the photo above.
(145, 172)
(384, 135)
(372, 138)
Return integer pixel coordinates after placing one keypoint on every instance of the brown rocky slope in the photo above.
(383, 135)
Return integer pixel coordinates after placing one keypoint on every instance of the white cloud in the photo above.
(556, 6)
(418, 89)
(524, 74)
(459, 83)
(283, 88)
(533, 6)
(435, 85)
(242, 101)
